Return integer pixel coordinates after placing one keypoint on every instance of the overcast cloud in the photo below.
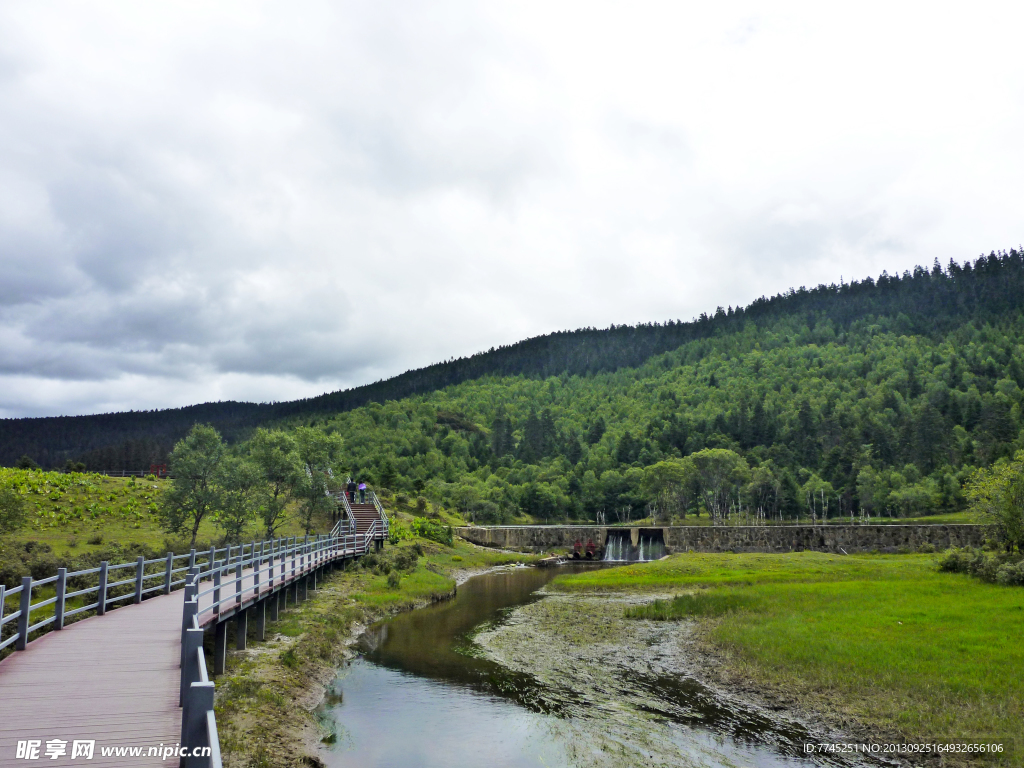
(263, 201)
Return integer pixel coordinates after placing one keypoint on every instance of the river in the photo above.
(424, 693)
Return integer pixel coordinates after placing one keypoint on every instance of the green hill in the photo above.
(872, 397)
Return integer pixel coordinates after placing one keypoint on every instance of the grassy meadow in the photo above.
(885, 640)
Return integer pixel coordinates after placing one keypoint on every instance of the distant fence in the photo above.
(162, 474)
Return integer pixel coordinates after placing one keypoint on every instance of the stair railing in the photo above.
(380, 511)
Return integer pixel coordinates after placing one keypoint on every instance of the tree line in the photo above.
(237, 489)
(926, 302)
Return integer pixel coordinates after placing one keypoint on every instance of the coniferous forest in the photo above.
(877, 397)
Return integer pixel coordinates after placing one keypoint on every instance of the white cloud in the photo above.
(204, 201)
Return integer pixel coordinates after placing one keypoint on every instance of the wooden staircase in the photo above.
(365, 515)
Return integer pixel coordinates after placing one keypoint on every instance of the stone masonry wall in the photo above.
(734, 538)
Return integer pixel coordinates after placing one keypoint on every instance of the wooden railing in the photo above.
(381, 512)
(100, 597)
(259, 569)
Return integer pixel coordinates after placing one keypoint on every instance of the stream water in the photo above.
(422, 694)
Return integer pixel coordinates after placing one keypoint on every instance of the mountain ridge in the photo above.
(923, 302)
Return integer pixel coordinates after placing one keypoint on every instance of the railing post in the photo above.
(167, 573)
(191, 642)
(58, 607)
(257, 563)
(188, 621)
(191, 611)
(238, 582)
(191, 584)
(213, 556)
(216, 588)
(26, 611)
(101, 592)
(192, 558)
(140, 569)
(193, 727)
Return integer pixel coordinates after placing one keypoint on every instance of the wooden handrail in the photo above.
(265, 562)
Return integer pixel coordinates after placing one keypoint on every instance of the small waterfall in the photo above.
(619, 546)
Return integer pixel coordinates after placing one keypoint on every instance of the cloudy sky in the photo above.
(262, 201)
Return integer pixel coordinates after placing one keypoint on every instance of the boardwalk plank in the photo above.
(112, 678)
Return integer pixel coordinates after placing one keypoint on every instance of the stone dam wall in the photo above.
(736, 538)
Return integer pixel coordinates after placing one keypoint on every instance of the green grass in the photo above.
(695, 570)
(886, 639)
(78, 513)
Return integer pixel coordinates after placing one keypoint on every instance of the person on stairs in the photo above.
(362, 493)
(351, 489)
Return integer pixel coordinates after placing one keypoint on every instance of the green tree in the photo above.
(244, 493)
(26, 462)
(817, 495)
(195, 491)
(317, 454)
(12, 511)
(763, 491)
(273, 452)
(998, 493)
(721, 474)
(670, 485)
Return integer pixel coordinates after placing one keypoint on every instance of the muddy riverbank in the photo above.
(508, 674)
(633, 686)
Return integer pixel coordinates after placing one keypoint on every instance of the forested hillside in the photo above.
(872, 396)
(871, 419)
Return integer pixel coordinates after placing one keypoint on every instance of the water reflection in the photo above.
(421, 695)
(434, 642)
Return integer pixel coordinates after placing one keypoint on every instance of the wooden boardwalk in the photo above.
(112, 678)
(115, 678)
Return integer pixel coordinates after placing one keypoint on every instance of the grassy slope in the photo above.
(887, 640)
(66, 511)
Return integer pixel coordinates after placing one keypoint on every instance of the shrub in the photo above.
(994, 568)
(405, 559)
(429, 529)
(95, 539)
(1011, 575)
(394, 580)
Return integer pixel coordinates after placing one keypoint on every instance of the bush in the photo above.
(405, 558)
(97, 539)
(428, 529)
(394, 580)
(12, 511)
(1011, 575)
(994, 568)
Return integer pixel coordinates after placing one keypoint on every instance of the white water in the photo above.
(619, 548)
